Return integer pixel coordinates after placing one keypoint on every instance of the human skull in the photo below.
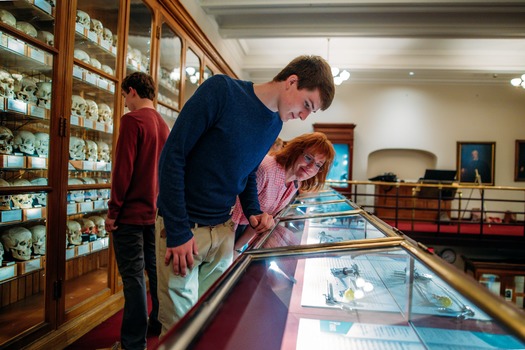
(43, 94)
(78, 106)
(97, 27)
(38, 235)
(39, 199)
(105, 114)
(74, 232)
(24, 142)
(17, 240)
(91, 110)
(26, 90)
(7, 84)
(77, 195)
(92, 151)
(5, 200)
(27, 28)
(7, 18)
(82, 55)
(90, 194)
(102, 193)
(96, 63)
(107, 69)
(88, 226)
(23, 200)
(77, 148)
(46, 37)
(83, 18)
(108, 36)
(42, 144)
(103, 151)
(100, 225)
(6, 140)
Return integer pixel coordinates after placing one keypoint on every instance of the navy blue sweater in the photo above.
(211, 156)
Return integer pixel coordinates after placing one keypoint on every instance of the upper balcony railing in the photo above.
(443, 210)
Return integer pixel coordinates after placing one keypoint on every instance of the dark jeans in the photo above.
(135, 250)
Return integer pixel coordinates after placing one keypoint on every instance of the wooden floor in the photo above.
(17, 318)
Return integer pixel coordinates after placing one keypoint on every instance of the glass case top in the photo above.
(321, 230)
(312, 209)
(358, 299)
(324, 197)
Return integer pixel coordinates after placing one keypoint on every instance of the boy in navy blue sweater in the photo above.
(221, 135)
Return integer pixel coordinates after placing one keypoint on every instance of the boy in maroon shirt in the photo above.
(132, 206)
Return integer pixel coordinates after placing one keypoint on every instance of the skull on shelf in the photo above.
(7, 18)
(7, 84)
(103, 151)
(92, 151)
(6, 140)
(27, 28)
(100, 225)
(17, 240)
(5, 200)
(107, 69)
(26, 90)
(46, 37)
(74, 232)
(24, 142)
(78, 106)
(90, 194)
(108, 36)
(102, 193)
(92, 110)
(23, 200)
(105, 114)
(88, 226)
(83, 18)
(42, 144)
(43, 94)
(82, 55)
(77, 195)
(39, 199)
(77, 148)
(38, 235)
(97, 27)
(96, 63)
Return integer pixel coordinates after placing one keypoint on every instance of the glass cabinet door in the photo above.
(26, 69)
(192, 74)
(169, 75)
(139, 38)
(90, 145)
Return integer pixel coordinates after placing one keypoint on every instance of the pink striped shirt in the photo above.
(274, 195)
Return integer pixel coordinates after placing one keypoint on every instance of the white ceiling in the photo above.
(377, 40)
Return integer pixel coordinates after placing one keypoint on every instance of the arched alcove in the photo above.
(407, 164)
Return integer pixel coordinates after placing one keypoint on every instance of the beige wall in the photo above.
(426, 117)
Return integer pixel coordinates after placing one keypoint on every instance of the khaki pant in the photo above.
(178, 294)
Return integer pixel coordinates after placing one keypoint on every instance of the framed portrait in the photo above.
(476, 162)
(519, 164)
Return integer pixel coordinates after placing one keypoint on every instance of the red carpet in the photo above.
(106, 334)
(463, 228)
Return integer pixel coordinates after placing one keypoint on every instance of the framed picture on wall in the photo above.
(519, 172)
(476, 162)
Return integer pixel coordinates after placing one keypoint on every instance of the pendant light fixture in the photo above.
(338, 74)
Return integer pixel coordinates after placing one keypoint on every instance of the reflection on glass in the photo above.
(192, 74)
(308, 209)
(169, 75)
(339, 169)
(207, 73)
(139, 38)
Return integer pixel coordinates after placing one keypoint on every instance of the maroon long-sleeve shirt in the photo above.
(134, 181)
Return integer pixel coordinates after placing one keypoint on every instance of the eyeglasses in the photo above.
(309, 159)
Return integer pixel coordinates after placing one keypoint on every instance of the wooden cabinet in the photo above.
(405, 202)
(61, 66)
(342, 137)
(504, 277)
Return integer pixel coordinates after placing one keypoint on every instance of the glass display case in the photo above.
(362, 295)
(192, 74)
(26, 70)
(317, 208)
(325, 196)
